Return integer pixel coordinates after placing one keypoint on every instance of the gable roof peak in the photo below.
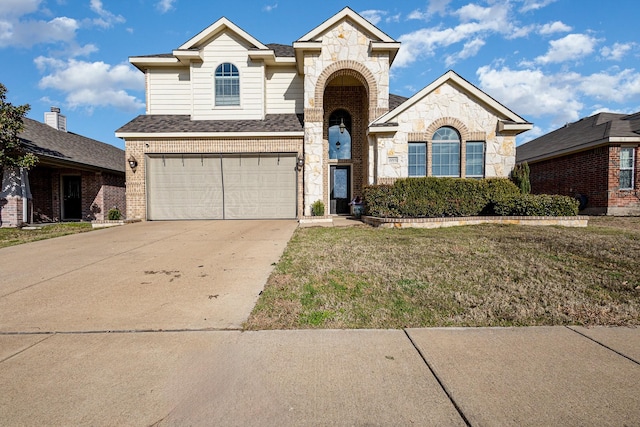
(347, 12)
(217, 27)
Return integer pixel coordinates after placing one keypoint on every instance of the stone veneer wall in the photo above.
(136, 199)
(345, 49)
(445, 106)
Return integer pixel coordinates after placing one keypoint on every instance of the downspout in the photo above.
(26, 194)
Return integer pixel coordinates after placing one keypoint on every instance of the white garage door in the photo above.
(248, 186)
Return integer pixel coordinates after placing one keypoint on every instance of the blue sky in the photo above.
(550, 61)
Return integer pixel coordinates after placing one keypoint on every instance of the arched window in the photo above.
(340, 135)
(227, 82)
(445, 160)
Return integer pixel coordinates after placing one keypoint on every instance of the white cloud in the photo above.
(393, 18)
(434, 7)
(475, 22)
(419, 15)
(568, 48)
(270, 7)
(373, 15)
(107, 19)
(617, 51)
(29, 33)
(535, 4)
(535, 132)
(165, 6)
(554, 27)
(92, 84)
(17, 8)
(470, 49)
(617, 87)
(533, 94)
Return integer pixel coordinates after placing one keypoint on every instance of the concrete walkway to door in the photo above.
(144, 276)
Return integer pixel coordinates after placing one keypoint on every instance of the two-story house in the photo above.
(235, 128)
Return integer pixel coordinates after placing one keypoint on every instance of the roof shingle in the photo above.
(164, 123)
(49, 143)
(589, 131)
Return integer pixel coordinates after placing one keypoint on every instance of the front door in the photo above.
(340, 177)
(71, 197)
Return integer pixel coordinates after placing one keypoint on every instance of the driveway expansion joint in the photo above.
(604, 345)
(25, 349)
(440, 383)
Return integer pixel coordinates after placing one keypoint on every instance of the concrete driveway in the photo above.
(203, 275)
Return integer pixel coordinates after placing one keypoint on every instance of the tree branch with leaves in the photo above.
(12, 153)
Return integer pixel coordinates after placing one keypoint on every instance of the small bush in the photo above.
(536, 205)
(520, 177)
(114, 214)
(317, 208)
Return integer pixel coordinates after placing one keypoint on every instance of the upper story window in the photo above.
(227, 85)
(340, 135)
(627, 161)
(445, 159)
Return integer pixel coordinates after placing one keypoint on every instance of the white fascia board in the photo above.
(191, 53)
(151, 135)
(144, 62)
(383, 129)
(218, 26)
(391, 47)
(625, 139)
(520, 127)
(346, 13)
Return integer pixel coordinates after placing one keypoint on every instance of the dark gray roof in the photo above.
(395, 101)
(161, 123)
(585, 133)
(52, 145)
(282, 50)
(157, 55)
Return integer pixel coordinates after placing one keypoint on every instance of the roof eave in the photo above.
(143, 63)
(300, 47)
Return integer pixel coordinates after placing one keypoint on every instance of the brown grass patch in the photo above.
(17, 236)
(485, 275)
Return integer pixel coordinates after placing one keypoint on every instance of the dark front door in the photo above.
(71, 197)
(340, 189)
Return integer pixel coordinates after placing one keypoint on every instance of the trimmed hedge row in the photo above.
(455, 197)
(536, 205)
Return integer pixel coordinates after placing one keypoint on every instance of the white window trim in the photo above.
(227, 107)
(632, 168)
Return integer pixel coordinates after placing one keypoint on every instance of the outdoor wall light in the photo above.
(342, 125)
(133, 163)
(300, 163)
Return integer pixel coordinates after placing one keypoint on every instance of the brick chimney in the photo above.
(55, 119)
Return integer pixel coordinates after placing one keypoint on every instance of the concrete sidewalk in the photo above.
(488, 376)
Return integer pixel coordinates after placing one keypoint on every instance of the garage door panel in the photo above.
(184, 187)
(260, 186)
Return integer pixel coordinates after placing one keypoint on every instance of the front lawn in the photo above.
(485, 275)
(16, 236)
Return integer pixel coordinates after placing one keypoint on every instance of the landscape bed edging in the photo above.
(564, 221)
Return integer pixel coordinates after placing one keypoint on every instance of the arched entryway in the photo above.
(345, 119)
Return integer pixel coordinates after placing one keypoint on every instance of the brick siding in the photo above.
(593, 173)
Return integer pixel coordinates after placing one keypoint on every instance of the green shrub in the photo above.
(114, 214)
(520, 177)
(436, 197)
(536, 205)
(317, 208)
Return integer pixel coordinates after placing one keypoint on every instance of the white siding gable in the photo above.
(227, 47)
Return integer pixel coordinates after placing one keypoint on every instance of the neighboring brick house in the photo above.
(235, 128)
(595, 159)
(76, 178)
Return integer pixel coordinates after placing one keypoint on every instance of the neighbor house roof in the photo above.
(53, 146)
(159, 125)
(589, 132)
